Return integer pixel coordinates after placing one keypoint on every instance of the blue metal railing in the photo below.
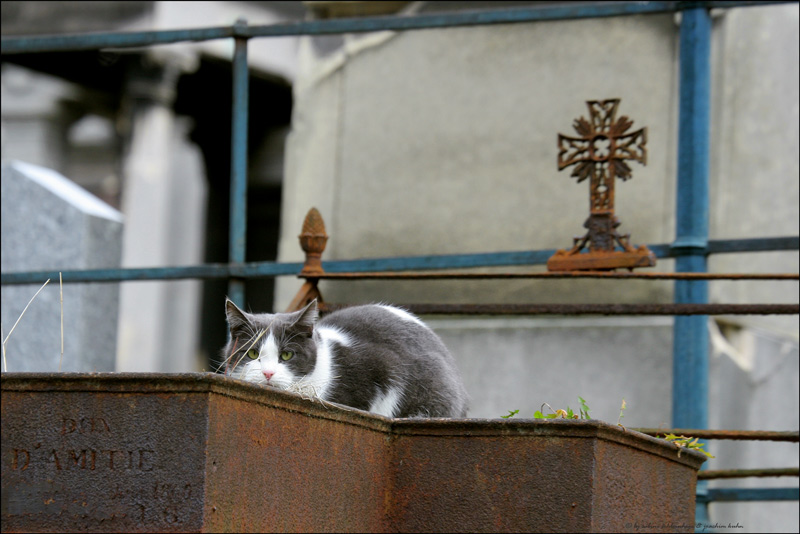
(94, 41)
(690, 248)
(266, 269)
(690, 333)
(238, 215)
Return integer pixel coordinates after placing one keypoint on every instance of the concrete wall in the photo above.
(444, 141)
(451, 135)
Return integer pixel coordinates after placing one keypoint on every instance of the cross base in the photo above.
(602, 238)
(601, 260)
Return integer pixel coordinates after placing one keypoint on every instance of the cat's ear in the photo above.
(236, 317)
(307, 317)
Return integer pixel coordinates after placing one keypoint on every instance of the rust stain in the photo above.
(195, 453)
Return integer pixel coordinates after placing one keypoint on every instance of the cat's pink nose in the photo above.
(268, 374)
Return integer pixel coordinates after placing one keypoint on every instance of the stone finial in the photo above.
(313, 240)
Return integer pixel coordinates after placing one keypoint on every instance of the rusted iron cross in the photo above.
(601, 154)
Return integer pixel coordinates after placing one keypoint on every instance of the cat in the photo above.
(374, 357)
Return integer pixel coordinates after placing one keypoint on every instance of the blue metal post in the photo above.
(690, 333)
(238, 215)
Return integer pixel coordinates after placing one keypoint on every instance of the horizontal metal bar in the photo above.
(402, 263)
(727, 246)
(97, 41)
(746, 473)
(750, 435)
(440, 261)
(590, 309)
(749, 494)
(206, 272)
(455, 275)
(94, 41)
(719, 246)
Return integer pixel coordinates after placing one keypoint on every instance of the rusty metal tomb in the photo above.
(600, 154)
(207, 453)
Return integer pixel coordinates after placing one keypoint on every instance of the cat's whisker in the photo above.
(226, 360)
(243, 351)
(225, 363)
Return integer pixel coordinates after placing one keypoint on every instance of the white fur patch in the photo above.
(328, 334)
(403, 314)
(268, 358)
(269, 349)
(386, 404)
(318, 381)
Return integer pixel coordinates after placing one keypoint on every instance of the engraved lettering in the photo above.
(111, 457)
(99, 423)
(88, 459)
(84, 425)
(145, 463)
(54, 458)
(171, 515)
(78, 458)
(15, 462)
(68, 426)
(117, 494)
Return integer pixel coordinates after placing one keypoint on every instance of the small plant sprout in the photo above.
(681, 442)
(686, 442)
(583, 412)
(584, 409)
(621, 412)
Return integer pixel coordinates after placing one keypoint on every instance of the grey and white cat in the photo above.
(375, 357)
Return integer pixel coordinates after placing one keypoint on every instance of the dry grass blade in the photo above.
(244, 352)
(252, 344)
(5, 366)
(18, 319)
(61, 296)
(308, 390)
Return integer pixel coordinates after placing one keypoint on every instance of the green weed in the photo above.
(682, 442)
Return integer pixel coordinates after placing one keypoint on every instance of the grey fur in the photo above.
(386, 350)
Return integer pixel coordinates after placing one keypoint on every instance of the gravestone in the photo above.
(50, 223)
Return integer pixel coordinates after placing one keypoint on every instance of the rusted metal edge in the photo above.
(183, 383)
(589, 309)
(751, 435)
(745, 473)
(454, 275)
(577, 428)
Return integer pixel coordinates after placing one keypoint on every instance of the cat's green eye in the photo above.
(252, 354)
(286, 355)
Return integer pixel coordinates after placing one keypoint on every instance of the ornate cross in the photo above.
(601, 154)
